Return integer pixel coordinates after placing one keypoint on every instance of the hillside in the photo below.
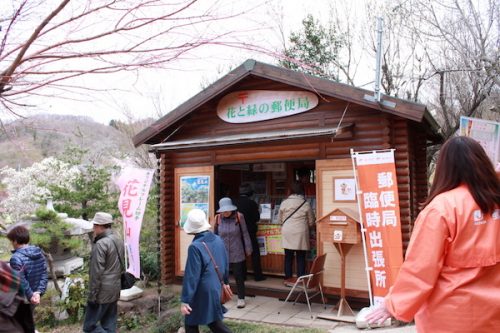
(26, 141)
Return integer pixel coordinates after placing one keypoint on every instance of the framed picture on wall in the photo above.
(344, 189)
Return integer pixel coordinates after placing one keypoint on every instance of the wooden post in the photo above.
(342, 306)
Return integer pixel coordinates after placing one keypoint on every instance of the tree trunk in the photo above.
(53, 276)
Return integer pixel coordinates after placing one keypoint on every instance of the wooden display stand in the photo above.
(341, 228)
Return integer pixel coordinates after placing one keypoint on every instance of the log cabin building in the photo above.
(264, 125)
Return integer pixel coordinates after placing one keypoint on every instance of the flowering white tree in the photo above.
(28, 188)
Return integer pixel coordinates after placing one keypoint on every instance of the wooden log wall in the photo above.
(401, 142)
(167, 239)
(373, 130)
(419, 174)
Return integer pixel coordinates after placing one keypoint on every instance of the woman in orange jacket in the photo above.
(450, 280)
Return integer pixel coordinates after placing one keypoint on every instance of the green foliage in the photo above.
(135, 321)
(149, 238)
(170, 325)
(50, 230)
(45, 313)
(149, 264)
(92, 192)
(76, 301)
(317, 47)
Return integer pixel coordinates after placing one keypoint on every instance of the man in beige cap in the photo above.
(104, 277)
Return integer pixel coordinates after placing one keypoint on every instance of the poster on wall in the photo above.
(265, 211)
(380, 215)
(272, 235)
(194, 194)
(261, 240)
(486, 132)
(344, 190)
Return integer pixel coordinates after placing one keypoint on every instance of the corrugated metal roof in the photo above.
(244, 138)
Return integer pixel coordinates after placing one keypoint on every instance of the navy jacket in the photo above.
(201, 287)
(30, 261)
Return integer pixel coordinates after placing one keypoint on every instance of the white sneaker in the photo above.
(241, 304)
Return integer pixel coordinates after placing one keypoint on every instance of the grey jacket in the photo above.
(105, 268)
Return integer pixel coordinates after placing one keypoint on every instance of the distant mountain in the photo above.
(25, 141)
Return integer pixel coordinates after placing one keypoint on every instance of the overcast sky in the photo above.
(142, 94)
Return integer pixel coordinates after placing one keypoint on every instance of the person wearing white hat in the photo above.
(105, 269)
(201, 287)
(230, 225)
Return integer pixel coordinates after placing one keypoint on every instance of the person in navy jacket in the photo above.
(30, 261)
(201, 288)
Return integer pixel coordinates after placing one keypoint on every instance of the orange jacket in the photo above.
(450, 279)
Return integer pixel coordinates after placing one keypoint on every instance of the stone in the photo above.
(130, 294)
(66, 266)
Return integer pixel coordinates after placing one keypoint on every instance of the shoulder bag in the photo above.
(296, 209)
(226, 293)
(127, 280)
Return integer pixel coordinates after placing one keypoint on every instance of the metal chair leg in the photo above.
(322, 296)
(288, 297)
(308, 303)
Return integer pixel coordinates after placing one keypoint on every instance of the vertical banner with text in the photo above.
(134, 186)
(379, 209)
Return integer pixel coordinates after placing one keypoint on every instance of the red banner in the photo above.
(379, 205)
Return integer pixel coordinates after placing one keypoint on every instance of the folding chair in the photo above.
(310, 283)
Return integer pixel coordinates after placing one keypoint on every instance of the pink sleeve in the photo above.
(422, 266)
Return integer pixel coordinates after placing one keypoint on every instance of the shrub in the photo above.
(75, 302)
(50, 230)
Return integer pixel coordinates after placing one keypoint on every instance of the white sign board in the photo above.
(248, 106)
(486, 132)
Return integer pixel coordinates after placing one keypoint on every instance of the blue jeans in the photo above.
(100, 318)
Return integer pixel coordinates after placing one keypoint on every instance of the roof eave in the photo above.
(297, 79)
(199, 99)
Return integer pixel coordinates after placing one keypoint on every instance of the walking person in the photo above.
(232, 228)
(296, 217)
(250, 210)
(201, 287)
(105, 269)
(30, 261)
(450, 279)
(10, 281)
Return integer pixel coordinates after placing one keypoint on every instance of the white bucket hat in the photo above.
(101, 218)
(226, 205)
(196, 222)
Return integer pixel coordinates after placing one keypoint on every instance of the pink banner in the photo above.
(134, 185)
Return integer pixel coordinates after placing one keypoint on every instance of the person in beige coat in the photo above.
(296, 217)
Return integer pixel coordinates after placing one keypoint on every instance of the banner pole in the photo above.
(125, 245)
(363, 230)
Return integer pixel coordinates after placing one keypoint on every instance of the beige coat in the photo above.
(295, 231)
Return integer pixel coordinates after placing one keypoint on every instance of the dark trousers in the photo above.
(216, 327)
(300, 259)
(257, 268)
(238, 269)
(100, 318)
(24, 316)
